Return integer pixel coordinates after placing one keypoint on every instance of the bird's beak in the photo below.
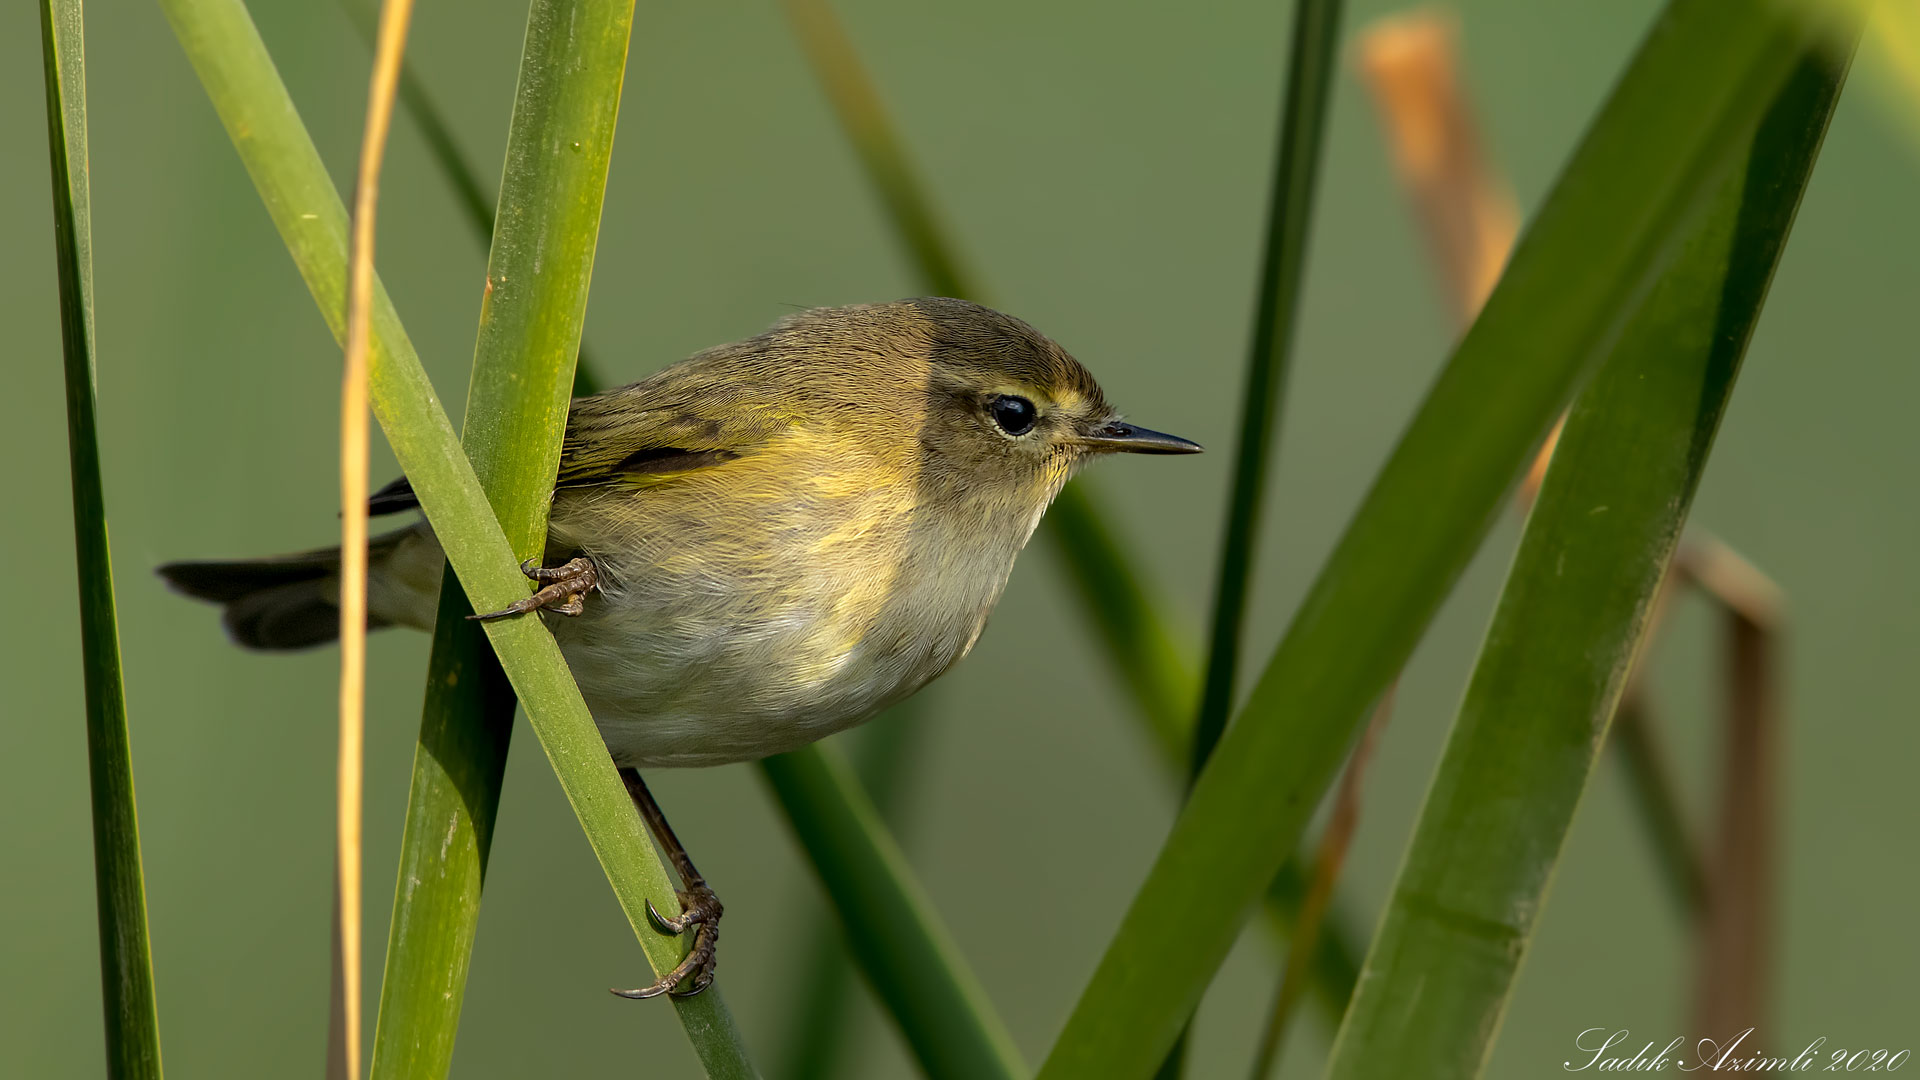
(1119, 437)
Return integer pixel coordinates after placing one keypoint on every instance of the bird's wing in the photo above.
(667, 426)
(682, 420)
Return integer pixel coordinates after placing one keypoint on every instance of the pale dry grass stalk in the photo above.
(354, 416)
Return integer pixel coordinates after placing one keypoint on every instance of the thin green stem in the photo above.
(126, 963)
(1106, 576)
(459, 765)
(815, 1043)
(1303, 111)
(1303, 115)
(1114, 593)
(1656, 800)
(905, 951)
(444, 148)
(857, 104)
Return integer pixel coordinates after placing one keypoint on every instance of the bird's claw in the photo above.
(563, 589)
(699, 908)
(676, 925)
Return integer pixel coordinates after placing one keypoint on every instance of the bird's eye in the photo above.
(1015, 415)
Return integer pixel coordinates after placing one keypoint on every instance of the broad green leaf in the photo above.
(1669, 133)
(226, 52)
(1570, 620)
(126, 964)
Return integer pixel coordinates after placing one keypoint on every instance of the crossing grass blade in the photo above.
(819, 1029)
(1106, 577)
(469, 191)
(1303, 112)
(459, 765)
(1671, 131)
(516, 408)
(1296, 168)
(1121, 607)
(482, 747)
(126, 963)
(226, 52)
(1570, 620)
(913, 965)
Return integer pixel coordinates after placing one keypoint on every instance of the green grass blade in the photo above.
(920, 227)
(1303, 113)
(233, 66)
(1121, 608)
(1113, 590)
(476, 205)
(1670, 131)
(816, 1041)
(126, 963)
(797, 802)
(1570, 619)
(1657, 807)
(516, 414)
(904, 950)
(459, 763)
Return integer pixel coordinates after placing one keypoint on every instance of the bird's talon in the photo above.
(700, 983)
(564, 590)
(664, 924)
(698, 964)
(643, 993)
(699, 906)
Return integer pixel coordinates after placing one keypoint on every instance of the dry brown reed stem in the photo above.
(1734, 954)
(1409, 63)
(391, 44)
(1328, 859)
(1655, 795)
(1466, 208)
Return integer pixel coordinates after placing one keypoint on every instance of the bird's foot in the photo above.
(699, 909)
(563, 589)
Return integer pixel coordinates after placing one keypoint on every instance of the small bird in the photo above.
(761, 545)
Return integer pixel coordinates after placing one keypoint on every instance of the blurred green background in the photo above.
(1106, 166)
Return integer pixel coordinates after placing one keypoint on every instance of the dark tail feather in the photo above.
(275, 604)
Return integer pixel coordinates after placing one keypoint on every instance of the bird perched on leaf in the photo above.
(761, 545)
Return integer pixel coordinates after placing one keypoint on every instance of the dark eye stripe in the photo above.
(1015, 415)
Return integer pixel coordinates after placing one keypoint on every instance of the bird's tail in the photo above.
(283, 602)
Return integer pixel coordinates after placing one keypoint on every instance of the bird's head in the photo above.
(995, 410)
